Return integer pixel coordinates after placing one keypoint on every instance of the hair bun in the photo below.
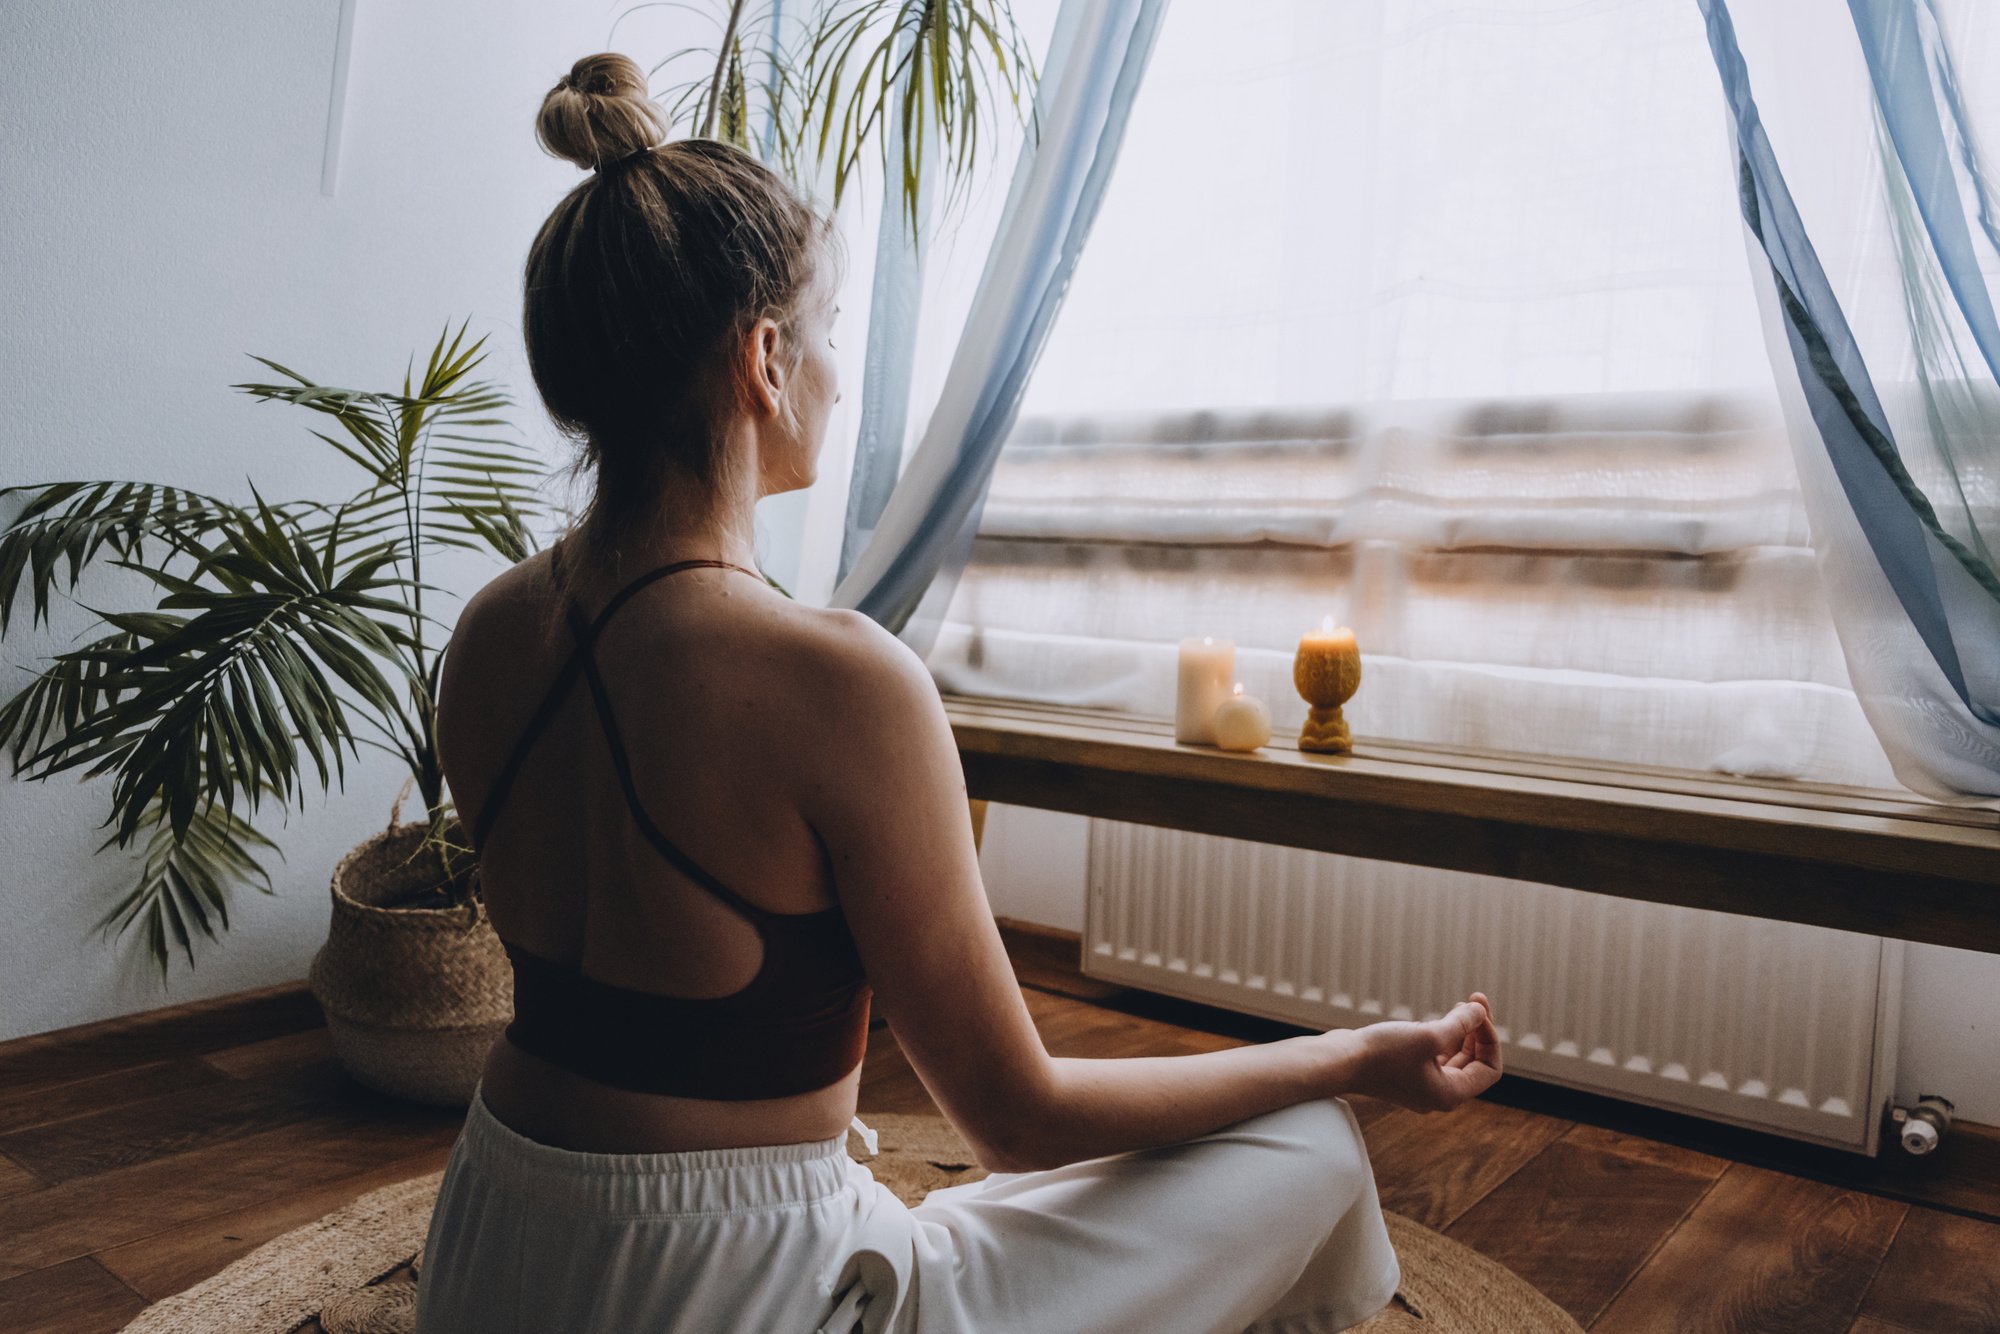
(599, 112)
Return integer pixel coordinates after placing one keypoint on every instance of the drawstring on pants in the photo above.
(846, 1317)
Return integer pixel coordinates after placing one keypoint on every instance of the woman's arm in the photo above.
(886, 793)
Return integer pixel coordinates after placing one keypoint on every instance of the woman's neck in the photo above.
(693, 526)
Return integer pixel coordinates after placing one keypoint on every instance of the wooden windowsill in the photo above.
(1857, 859)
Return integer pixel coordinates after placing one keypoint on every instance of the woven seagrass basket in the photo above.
(414, 996)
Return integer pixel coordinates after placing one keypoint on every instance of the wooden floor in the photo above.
(141, 1155)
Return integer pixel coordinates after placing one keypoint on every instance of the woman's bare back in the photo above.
(709, 674)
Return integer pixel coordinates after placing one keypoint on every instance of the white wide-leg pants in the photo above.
(1270, 1225)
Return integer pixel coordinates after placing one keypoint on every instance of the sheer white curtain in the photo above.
(1434, 317)
(1873, 209)
(916, 546)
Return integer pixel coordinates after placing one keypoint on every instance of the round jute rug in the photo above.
(354, 1271)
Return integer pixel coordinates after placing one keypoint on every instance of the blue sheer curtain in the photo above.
(1901, 467)
(895, 308)
(918, 542)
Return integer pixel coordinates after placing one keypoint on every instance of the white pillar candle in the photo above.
(1242, 722)
(1208, 665)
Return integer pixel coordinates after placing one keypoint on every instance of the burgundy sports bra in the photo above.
(800, 1024)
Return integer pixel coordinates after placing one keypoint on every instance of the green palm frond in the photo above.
(67, 525)
(742, 90)
(483, 489)
(856, 68)
(222, 702)
(185, 877)
(926, 66)
(494, 517)
(61, 696)
(430, 452)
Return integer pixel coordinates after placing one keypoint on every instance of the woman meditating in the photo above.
(714, 825)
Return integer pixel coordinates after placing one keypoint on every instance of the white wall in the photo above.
(162, 217)
(1034, 865)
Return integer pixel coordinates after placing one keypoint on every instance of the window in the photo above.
(1436, 319)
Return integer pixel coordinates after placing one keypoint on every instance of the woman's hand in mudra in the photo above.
(1435, 1065)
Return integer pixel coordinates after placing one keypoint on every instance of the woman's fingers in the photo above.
(1488, 1047)
(1465, 1051)
(1484, 1041)
(1474, 1078)
(1469, 1055)
(1455, 1031)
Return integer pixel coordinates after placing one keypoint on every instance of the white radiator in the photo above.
(1765, 1024)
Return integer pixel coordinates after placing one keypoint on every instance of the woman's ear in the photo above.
(766, 368)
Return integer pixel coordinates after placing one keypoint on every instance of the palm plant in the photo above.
(852, 71)
(284, 636)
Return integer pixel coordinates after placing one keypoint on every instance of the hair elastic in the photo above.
(602, 167)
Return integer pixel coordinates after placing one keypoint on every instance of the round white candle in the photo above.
(1242, 722)
(1208, 665)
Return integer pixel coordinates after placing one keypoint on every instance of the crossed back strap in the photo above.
(582, 661)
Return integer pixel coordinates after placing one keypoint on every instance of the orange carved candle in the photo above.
(1327, 671)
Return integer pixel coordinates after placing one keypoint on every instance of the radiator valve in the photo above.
(1923, 1126)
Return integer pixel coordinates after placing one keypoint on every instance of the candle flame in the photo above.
(1326, 624)
(1239, 687)
(1208, 639)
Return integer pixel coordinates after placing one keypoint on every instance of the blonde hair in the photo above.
(642, 283)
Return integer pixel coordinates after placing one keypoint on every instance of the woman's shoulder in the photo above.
(860, 704)
(849, 654)
(846, 683)
(507, 605)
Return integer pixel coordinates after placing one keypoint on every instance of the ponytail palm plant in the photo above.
(282, 635)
